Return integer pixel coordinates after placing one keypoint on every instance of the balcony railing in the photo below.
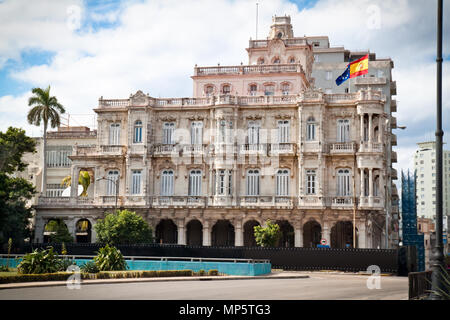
(113, 149)
(310, 201)
(287, 42)
(371, 147)
(282, 148)
(179, 201)
(370, 81)
(256, 201)
(253, 148)
(342, 147)
(342, 202)
(253, 69)
(372, 202)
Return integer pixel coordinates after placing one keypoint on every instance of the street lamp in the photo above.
(437, 281)
(116, 183)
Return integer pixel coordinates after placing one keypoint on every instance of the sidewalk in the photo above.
(272, 275)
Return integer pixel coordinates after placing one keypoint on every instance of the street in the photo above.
(318, 286)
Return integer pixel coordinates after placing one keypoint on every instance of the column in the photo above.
(298, 239)
(371, 186)
(70, 223)
(206, 234)
(380, 128)
(238, 234)
(370, 130)
(74, 182)
(326, 233)
(362, 235)
(181, 232)
(93, 233)
(39, 230)
(362, 127)
(361, 170)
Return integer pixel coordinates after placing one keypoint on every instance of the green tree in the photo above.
(59, 232)
(267, 236)
(45, 108)
(14, 191)
(123, 227)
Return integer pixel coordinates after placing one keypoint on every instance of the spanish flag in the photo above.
(354, 69)
(359, 67)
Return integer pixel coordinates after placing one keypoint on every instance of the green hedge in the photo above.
(63, 276)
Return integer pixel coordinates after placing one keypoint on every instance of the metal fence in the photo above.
(353, 260)
(419, 284)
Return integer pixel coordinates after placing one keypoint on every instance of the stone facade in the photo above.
(256, 142)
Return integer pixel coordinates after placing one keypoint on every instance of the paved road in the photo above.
(318, 286)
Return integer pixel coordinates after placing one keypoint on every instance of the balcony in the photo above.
(165, 149)
(115, 150)
(311, 201)
(253, 148)
(225, 148)
(287, 42)
(256, 201)
(394, 174)
(282, 148)
(252, 69)
(57, 202)
(393, 105)
(374, 147)
(342, 147)
(394, 157)
(393, 123)
(221, 201)
(393, 88)
(312, 147)
(179, 201)
(371, 202)
(393, 139)
(370, 81)
(342, 202)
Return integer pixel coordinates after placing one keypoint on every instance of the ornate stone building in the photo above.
(255, 142)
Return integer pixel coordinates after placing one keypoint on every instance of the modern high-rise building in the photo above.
(261, 141)
(425, 167)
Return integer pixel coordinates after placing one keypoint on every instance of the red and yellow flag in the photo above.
(359, 67)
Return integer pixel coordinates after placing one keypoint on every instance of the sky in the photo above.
(88, 49)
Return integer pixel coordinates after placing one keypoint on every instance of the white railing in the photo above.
(282, 148)
(113, 103)
(256, 201)
(310, 201)
(112, 149)
(254, 69)
(342, 202)
(251, 148)
(342, 147)
(166, 201)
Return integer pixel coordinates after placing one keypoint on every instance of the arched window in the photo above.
(197, 132)
(269, 89)
(276, 60)
(283, 182)
(311, 129)
(253, 179)
(138, 131)
(285, 88)
(209, 90)
(195, 183)
(261, 60)
(292, 60)
(343, 183)
(283, 131)
(168, 128)
(114, 134)
(343, 130)
(253, 132)
(167, 183)
(253, 89)
(310, 181)
(112, 182)
(226, 89)
(136, 181)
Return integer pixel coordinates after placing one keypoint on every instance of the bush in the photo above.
(4, 269)
(36, 262)
(65, 263)
(268, 236)
(110, 259)
(201, 272)
(213, 272)
(90, 267)
(123, 227)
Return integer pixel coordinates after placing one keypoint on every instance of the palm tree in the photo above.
(45, 108)
(84, 179)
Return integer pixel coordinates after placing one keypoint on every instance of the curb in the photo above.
(137, 280)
